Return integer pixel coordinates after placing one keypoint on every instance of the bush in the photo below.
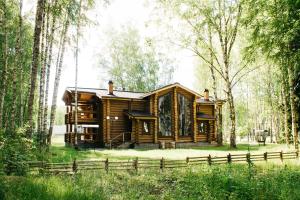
(16, 150)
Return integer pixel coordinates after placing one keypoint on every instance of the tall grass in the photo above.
(203, 182)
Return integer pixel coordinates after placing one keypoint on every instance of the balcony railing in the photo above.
(82, 138)
(82, 117)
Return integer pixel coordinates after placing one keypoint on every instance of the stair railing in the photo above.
(116, 137)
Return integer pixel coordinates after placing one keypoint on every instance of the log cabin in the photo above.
(170, 115)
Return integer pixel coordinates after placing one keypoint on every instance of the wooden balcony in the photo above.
(83, 117)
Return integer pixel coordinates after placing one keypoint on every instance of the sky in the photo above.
(92, 44)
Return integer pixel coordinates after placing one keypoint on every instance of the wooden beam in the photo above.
(156, 115)
(175, 114)
(194, 120)
(107, 120)
(137, 131)
(151, 105)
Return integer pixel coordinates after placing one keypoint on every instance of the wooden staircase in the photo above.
(121, 141)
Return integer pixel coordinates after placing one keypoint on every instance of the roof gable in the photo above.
(171, 86)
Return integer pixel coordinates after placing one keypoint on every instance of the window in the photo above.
(146, 127)
(184, 115)
(203, 127)
(165, 114)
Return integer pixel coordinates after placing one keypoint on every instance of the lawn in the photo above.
(202, 182)
(60, 153)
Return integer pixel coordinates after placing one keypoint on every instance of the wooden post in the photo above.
(137, 131)
(175, 106)
(281, 156)
(162, 164)
(107, 121)
(209, 159)
(155, 122)
(248, 158)
(106, 165)
(229, 159)
(265, 156)
(194, 120)
(74, 166)
(136, 164)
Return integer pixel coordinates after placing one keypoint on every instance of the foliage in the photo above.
(134, 63)
(16, 150)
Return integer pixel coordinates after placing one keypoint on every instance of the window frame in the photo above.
(148, 126)
(171, 115)
(206, 127)
(190, 133)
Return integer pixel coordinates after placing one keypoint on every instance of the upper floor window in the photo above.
(184, 115)
(165, 114)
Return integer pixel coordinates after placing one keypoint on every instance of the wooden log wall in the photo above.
(155, 108)
(115, 108)
(195, 131)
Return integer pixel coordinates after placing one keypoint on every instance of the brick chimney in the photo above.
(206, 95)
(110, 87)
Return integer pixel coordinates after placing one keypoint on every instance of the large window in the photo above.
(165, 114)
(184, 115)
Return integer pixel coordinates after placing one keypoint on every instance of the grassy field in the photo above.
(203, 182)
(264, 180)
(60, 153)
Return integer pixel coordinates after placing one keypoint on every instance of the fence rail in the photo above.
(136, 164)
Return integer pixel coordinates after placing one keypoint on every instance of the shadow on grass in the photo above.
(68, 154)
(226, 147)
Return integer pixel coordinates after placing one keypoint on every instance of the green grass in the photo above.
(203, 182)
(67, 154)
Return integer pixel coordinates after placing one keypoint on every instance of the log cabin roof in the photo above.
(136, 114)
(122, 94)
(103, 93)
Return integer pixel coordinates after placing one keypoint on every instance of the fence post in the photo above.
(187, 160)
(248, 158)
(75, 166)
(162, 164)
(229, 158)
(281, 156)
(209, 159)
(266, 156)
(106, 165)
(136, 164)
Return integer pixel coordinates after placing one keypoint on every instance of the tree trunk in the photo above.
(42, 79)
(57, 80)
(293, 105)
(48, 69)
(35, 62)
(218, 124)
(286, 115)
(4, 71)
(17, 65)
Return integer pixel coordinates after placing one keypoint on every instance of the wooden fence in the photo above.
(162, 164)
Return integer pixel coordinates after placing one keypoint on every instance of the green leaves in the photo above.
(136, 64)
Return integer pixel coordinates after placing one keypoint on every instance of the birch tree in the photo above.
(221, 18)
(35, 62)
